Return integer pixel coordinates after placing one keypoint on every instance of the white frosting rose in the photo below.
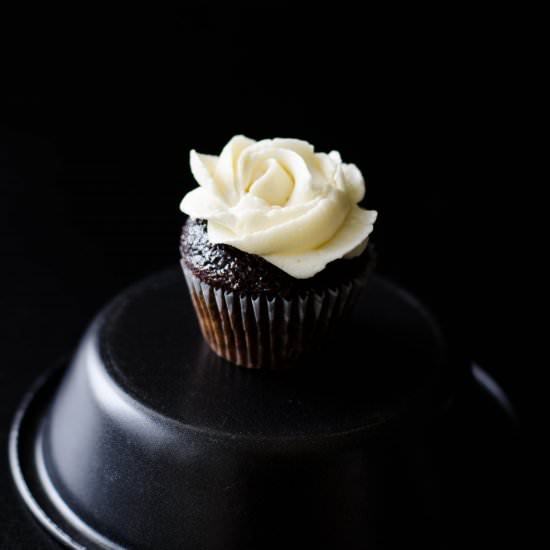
(282, 201)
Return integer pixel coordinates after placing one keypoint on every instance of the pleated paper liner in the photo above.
(266, 331)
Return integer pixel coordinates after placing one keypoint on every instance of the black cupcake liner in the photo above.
(264, 330)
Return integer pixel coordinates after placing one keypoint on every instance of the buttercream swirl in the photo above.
(281, 200)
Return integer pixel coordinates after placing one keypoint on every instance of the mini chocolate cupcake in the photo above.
(275, 249)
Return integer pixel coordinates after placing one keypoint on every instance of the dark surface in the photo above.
(98, 111)
(345, 388)
(229, 268)
(154, 441)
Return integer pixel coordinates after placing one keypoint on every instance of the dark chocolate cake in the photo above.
(231, 269)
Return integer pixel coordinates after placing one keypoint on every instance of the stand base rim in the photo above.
(24, 435)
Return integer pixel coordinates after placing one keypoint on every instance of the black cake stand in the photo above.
(148, 440)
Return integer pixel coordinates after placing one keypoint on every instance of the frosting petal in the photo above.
(354, 233)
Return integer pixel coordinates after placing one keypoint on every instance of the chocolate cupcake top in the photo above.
(224, 266)
(280, 200)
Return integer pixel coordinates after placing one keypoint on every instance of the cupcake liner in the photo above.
(266, 331)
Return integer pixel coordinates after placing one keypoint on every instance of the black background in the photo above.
(99, 110)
